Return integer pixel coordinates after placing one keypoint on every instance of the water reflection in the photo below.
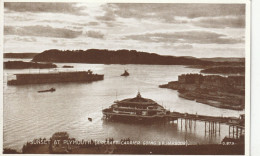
(29, 114)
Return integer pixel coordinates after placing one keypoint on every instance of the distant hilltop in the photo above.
(97, 56)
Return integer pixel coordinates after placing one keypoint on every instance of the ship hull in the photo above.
(23, 79)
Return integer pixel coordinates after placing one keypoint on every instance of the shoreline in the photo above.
(212, 90)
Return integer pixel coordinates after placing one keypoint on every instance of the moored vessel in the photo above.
(48, 90)
(67, 66)
(125, 73)
(40, 78)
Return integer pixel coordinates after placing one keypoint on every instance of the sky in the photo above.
(198, 30)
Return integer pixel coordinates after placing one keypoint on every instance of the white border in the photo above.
(140, 1)
(1, 72)
(255, 77)
(247, 78)
(247, 48)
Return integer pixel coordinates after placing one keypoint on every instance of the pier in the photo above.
(144, 110)
(212, 123)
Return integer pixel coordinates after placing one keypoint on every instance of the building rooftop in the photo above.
(137, 100)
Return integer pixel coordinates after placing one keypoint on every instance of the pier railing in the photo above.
(212, 123)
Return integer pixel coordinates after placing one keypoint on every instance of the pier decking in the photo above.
(212, 123)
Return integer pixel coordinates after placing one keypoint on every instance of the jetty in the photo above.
(212, 123)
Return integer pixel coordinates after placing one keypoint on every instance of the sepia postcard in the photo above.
(126, 77)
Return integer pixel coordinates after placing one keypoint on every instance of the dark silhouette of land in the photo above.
(224, 70)
(224, 59)
(61, 143)
(10, 151)
(57, 77)
(211, 149)
(214, 90)
(98, 56)
(25, 65)
(19, 55)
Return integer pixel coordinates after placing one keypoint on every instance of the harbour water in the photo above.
(29, 114)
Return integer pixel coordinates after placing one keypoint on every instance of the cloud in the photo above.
(95, 34)
(221, 22)
(109, 13)
(178, 46)
(26, 39)
(93, 23)
(43, 31)
(183, 46)
(199, 37)
(168, 12)
(55, 41)
(21, 39)
(21, 18)
(37, 7)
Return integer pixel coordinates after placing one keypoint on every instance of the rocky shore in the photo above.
(217, 91)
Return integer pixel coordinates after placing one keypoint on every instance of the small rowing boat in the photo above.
(49, 90)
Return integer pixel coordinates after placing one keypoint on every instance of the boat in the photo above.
(66, 66)
(49, 90)
(57, 77)
(125, 73)
(137, 109)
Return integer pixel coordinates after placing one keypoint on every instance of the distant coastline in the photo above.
(225, 70)
(20, 55)
(27, 65)
(103, 56)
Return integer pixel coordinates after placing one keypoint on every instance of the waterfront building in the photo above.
(135, 109)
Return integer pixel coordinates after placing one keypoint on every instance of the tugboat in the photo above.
(137, 109)
(49, 90)
(125, 73)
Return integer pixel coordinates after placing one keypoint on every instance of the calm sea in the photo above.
(29, 114)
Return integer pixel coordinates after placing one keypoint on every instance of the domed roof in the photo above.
(138, 99)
